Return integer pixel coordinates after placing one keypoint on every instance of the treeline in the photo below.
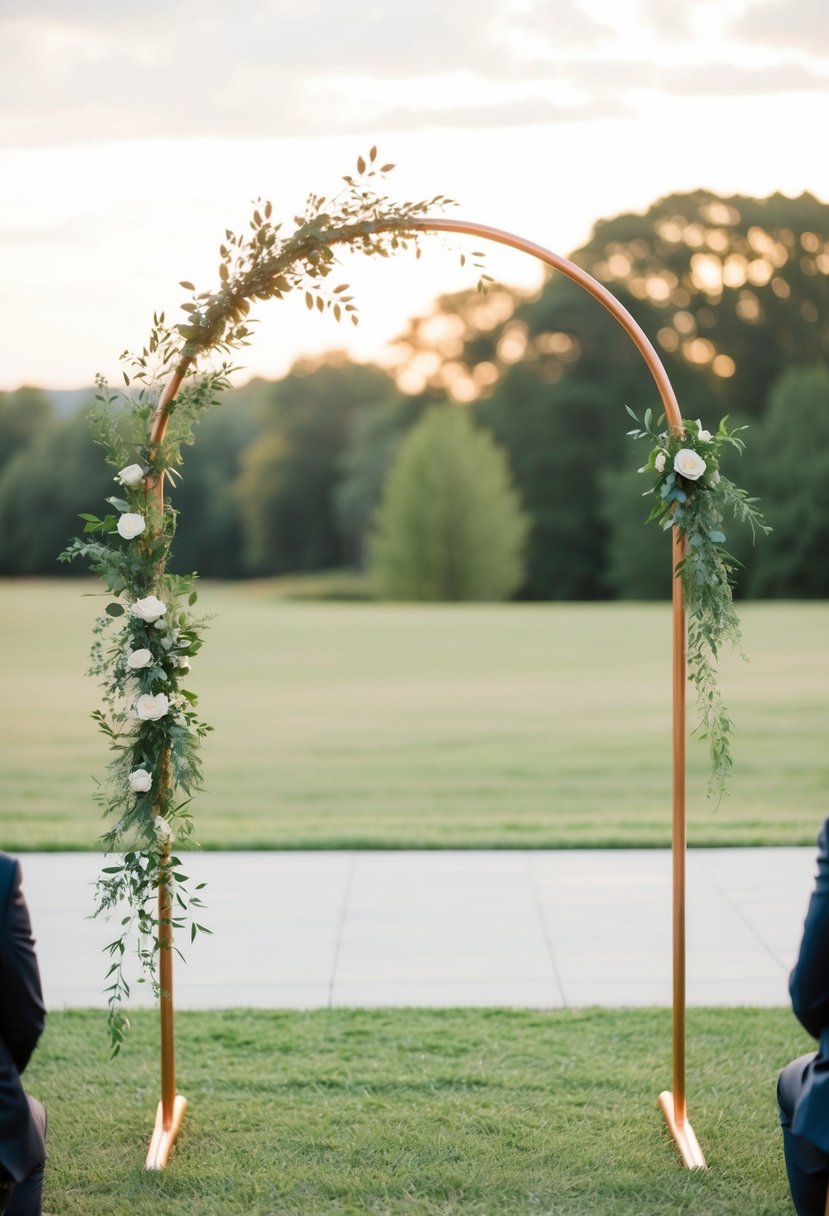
(289, 476)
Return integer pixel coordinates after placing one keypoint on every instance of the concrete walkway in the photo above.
(532, 929)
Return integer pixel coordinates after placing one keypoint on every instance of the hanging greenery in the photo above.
(149, 633)
(693, 495)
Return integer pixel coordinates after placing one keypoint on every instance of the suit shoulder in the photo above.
(9, 878)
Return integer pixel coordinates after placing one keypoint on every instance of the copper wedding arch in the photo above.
(672, 1102)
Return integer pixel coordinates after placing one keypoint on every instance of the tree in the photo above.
(209, 534)
(43, 490)
(450, 526)
(23, 415)
(289, 474)
(791, 459)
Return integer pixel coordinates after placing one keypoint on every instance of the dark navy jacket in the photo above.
(809, 989)
(21, 1022)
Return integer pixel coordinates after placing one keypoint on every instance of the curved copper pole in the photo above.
(585, 280)
(672, 1104)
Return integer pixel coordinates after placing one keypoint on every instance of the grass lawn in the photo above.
(370, 725)
(479, 1113)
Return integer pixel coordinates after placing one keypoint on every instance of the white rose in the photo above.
(137, 659)
(131, 475)
(140, 781)
(703, 435)
(150, 708)
(148, 609)
(182, 662)
(659, 462)
(129, 525)
(689, 464)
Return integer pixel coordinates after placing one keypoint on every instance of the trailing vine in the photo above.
(149, 632)
(693, 495)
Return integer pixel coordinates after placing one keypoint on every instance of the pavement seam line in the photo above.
(544, 930)
(349, 884)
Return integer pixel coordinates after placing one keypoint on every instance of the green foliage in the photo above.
(373, 444)
(450, 526)
(288, 476)
(23, 416)
(792, 474)
(692, 496)
(43, 489)
(556, 437)
(266, 265)
(150, 721)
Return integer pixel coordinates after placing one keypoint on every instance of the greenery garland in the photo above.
(693, 496)
(148, 634)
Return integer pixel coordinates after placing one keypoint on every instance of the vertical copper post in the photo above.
(171, 1106)
(165, 979)
(673, 1104)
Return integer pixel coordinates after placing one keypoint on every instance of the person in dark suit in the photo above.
(803, 1087)
(22, 1119)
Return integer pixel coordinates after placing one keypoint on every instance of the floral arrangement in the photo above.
(148, 635)
(694, 496)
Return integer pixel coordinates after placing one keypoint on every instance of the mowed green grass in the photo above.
(418, 1113)
(365, 725)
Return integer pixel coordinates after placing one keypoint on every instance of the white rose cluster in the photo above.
(141, 781)
(130, 525)
(149, 708)
(138, 659)
(132, 475)
(149, 609)
(689, 464)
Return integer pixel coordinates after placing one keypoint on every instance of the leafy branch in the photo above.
(693, 496)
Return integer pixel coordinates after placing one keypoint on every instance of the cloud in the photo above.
(530, 111)
(89, 71)
(802, 24)
(724, 79)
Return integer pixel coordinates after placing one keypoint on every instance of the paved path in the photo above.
(533, 929)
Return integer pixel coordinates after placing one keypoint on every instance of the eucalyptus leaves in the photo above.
(148, 634)
(693, 495)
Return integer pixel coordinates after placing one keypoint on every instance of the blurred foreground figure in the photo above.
(803, 1087)
(22, 1119)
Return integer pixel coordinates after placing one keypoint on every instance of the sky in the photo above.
(132, 135)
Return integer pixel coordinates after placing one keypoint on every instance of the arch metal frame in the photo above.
(673, 1103)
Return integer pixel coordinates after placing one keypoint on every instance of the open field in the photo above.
(373, 725)
(418, 1113)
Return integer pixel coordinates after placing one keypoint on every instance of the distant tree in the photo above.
(288, 477)
(210, 530)
(559, 438)
(23, 415)
(43, 490)
(792, 479)
(375, 439)
(450, 526)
